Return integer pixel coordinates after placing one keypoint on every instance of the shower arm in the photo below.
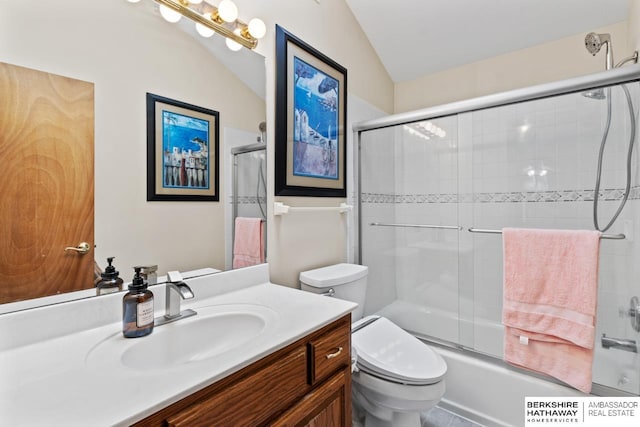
(609, 57)
(633, 58)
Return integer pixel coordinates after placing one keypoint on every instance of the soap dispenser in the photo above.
(137, 308)
(109, 280)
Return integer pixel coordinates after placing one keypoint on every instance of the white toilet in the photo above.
(397, 376)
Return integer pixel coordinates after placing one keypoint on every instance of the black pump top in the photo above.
(110, 272)
(138, 283)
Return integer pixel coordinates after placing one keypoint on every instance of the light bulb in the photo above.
(169, 14)
(195, 1)
(204, 31)
(233, 45)
(133, 1)
(256, 28)
(227, 11)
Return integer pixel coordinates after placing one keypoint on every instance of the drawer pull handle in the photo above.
(335, 353)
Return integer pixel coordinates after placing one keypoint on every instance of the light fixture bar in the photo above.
(249, 42)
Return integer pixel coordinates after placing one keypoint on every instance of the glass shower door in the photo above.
(409, 225)
(534, 165)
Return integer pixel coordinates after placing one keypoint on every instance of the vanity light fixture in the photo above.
(209, 19)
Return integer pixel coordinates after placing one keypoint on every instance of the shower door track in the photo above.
(626, 74)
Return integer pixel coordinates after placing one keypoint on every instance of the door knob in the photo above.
(82, 248)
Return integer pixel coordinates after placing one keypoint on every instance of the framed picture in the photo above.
(311, 113)
(182, 151)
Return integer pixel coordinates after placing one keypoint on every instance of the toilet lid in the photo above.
(386, 350)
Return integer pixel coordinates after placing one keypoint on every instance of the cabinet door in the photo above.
(329, 405)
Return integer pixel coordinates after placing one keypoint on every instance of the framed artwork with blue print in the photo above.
(311, 113)
(182, 151)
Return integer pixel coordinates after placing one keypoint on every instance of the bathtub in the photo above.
(480, 386)
(490, 393)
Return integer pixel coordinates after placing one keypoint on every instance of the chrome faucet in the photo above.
(175, 291)
(622, 344)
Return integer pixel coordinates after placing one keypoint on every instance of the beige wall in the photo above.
(297, 242)
(330, 27)
(634, 25)
(126, 51)
(557, 60)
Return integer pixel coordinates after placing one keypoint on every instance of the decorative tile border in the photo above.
(610, 194)
(249, 200)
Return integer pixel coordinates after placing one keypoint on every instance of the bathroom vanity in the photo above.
(306, 383)
(256, 353)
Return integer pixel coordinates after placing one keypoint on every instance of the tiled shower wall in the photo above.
(251, 180)
(531, 164)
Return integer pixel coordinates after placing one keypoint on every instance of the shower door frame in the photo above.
(628, 74)
(235, 152)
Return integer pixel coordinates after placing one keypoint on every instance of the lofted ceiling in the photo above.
(418, 37)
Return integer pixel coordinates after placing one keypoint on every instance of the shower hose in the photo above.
(605, 135)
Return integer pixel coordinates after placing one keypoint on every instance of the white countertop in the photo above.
(53, 382)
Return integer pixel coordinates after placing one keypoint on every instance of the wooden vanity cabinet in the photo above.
(307, 383)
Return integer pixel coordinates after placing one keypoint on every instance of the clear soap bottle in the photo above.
(109, 280)
(137, 308)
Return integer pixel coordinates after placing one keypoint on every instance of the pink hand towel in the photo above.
(248, 245)
(549, 301)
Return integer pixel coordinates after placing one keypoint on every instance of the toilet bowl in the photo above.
(395, 375)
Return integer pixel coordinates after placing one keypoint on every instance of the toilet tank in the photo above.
(349, 282)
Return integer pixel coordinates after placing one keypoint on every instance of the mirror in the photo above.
(127, 50)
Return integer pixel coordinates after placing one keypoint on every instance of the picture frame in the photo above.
(311, 116)
(182, 151)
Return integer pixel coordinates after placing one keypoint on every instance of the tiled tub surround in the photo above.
(531, 164)
(47, 378)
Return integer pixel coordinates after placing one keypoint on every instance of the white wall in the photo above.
(557, 60)
(126, 51)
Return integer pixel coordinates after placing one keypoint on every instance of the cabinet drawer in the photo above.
(329, 353)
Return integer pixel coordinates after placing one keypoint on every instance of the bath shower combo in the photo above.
(523, 158)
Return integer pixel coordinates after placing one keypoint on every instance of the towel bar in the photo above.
(489, 231)
(280, 208)
(444, 227)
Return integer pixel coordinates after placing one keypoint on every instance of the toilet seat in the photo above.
(388, 352)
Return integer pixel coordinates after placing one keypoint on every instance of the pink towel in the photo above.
(248, 245)
(549, 302)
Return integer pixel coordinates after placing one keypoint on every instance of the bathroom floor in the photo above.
(438, 417)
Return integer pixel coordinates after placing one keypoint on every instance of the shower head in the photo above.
(595, 94)
(593, 42)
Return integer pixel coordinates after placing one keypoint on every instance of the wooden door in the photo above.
(46, 183)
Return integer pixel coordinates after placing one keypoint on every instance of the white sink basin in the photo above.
(214, 331)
